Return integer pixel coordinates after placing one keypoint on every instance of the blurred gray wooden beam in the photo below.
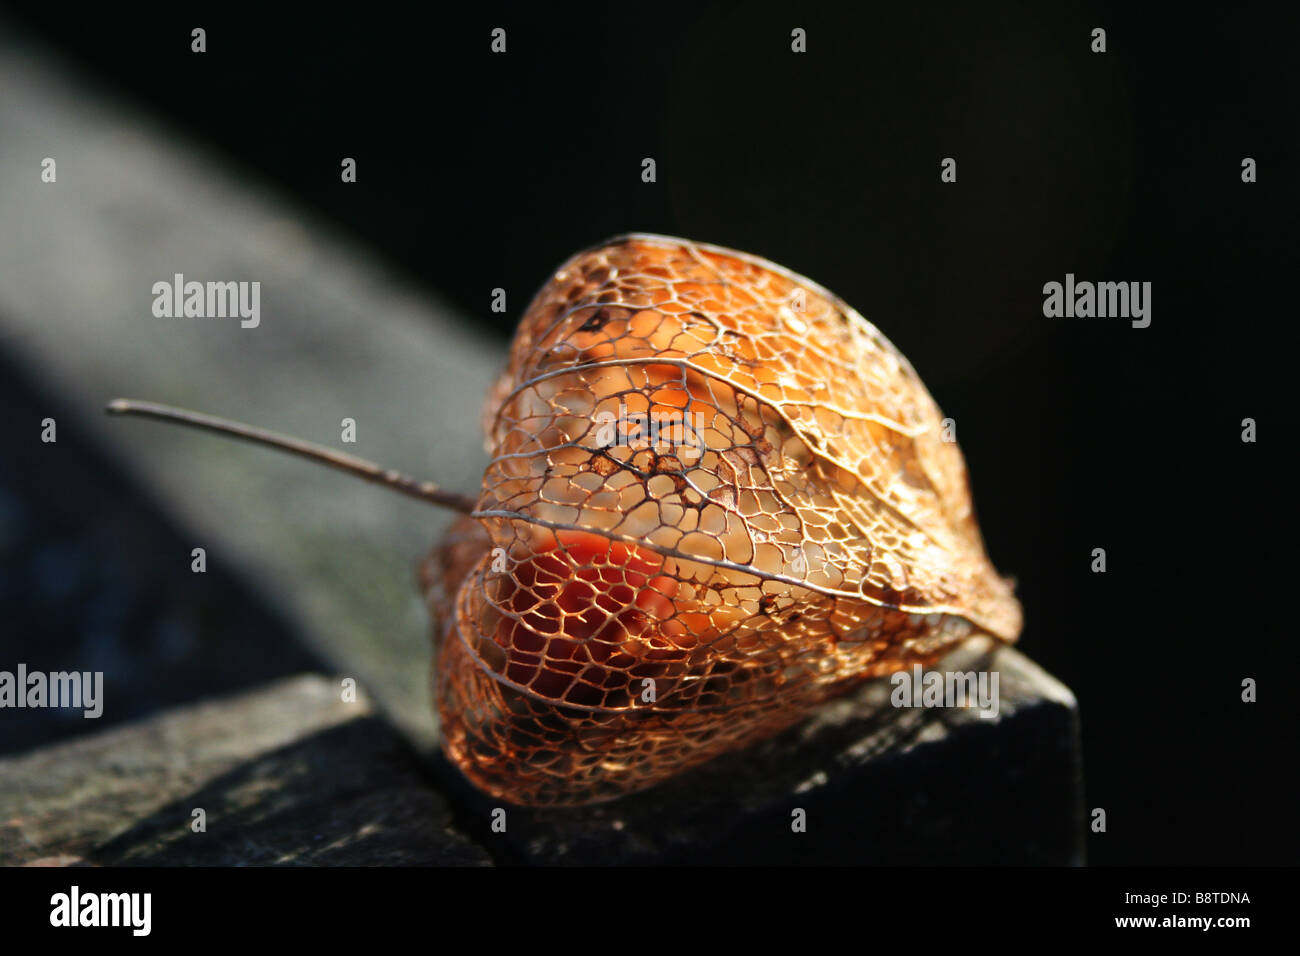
(83, 587)
(340, 336)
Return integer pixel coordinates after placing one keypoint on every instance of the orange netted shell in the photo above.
(717, 497)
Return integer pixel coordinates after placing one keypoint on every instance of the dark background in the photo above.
(477, 171)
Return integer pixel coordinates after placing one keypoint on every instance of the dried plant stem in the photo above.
(368, 470)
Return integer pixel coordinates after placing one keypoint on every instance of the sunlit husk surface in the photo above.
(717, 497)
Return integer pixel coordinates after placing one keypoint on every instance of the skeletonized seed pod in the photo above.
(717, 497)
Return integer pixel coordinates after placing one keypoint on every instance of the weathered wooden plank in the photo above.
(287, 774)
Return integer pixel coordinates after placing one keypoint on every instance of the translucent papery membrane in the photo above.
(528, 752)
(678, 458)
(537, 717)
(717, 496)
